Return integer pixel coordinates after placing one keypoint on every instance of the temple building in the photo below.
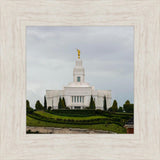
(77, 94)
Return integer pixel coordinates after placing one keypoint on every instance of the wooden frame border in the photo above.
(144, 15)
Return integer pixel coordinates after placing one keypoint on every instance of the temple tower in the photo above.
(78, 72)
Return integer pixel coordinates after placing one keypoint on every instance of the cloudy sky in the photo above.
(107, 54)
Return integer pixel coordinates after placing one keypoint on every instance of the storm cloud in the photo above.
(107, 54)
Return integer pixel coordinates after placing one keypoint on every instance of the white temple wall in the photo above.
(78, 75)
(87, 101)
(49, 101)
(67, 100)
(79, 90)
(53, 97)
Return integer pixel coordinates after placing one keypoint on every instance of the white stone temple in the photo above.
(78, 93)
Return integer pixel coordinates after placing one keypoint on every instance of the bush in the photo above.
(120, 109)
(49, 108)
(67, 121)
(128, 108)
(28, 108)
(39, 106)
(116, 119)
(100, 112)
(78, 113)
(108, 122)
(114, 106)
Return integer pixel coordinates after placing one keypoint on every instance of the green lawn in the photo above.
(110, 127)
(49, 115)
(108, 122)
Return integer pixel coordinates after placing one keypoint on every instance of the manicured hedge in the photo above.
(129, 108)
(83, 113)
(78, 112)
(49, 115)
(110, 127)
(67, 121)
(69, 117)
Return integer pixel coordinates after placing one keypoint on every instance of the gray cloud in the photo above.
(107, 54)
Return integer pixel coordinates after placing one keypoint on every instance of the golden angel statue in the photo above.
(78, 53)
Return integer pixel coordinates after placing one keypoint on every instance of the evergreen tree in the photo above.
(28, 107)
(64, 103)
(128, 107)
(45, 103)
(127, 102)
(104, 104)
(27, 103)
(60, 103)
(38, 105)
(92, 104)
(114, 106)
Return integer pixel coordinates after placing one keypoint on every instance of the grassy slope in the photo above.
(110, 127)
(49, 115)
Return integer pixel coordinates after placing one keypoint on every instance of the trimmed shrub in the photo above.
(128, 108)
(39, 106)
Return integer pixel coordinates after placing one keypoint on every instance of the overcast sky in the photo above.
(107, 54)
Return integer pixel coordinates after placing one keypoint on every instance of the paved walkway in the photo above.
(53, 130)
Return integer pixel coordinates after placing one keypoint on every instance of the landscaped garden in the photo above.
(107, 120)
(97, 120)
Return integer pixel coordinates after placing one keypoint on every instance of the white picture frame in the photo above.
(15, 144)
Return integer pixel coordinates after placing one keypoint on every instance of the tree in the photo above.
(28, 107)
(60, 103)
(127, 102)
(27, 103)
(45, 103)
(114, 106)
(38, 105)
(104, 104)
(63, 103)
(120, 109)
(129, 108)
(92, 104)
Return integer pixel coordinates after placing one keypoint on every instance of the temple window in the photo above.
(77, 98)
(78, 79)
